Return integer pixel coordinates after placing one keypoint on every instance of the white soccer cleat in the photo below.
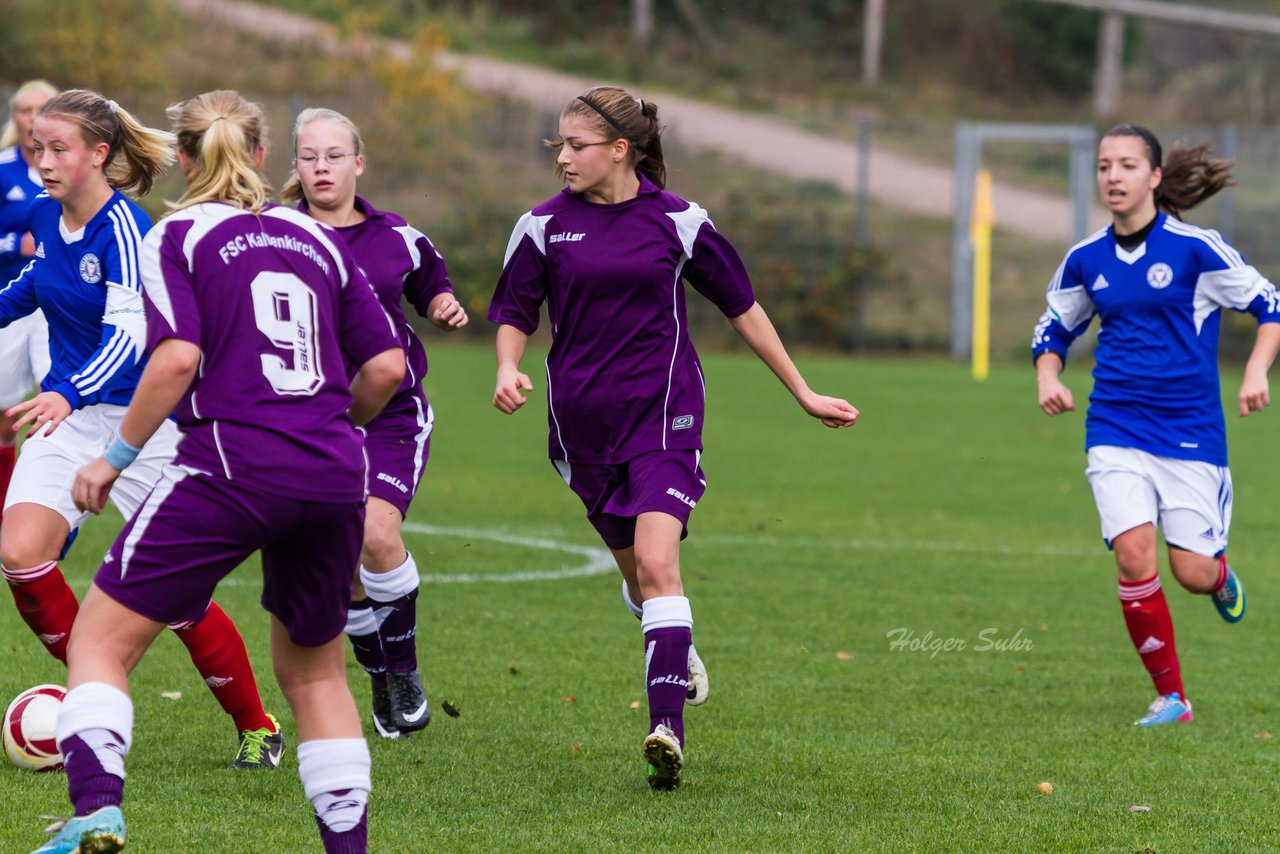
(662, 750)
(699, 685)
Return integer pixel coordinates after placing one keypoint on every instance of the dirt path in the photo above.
(896, 180)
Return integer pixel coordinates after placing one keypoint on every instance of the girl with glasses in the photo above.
(401, 263)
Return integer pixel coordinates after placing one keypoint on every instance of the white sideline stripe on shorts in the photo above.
(170, 477)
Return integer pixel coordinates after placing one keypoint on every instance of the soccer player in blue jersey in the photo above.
(401, 263)
(84, 275)
(1154, 433)
(253, 314)
(608, 256)
(24, 345)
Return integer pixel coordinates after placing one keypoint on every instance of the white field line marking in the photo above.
(598, 559)
(903, 545)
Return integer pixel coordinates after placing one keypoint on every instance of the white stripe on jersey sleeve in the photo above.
(317, 229)
(1209, 237)
(688, 222)
(1071, 306)
(535, 227)
(1234, 287)
(128, 241)
(410, 236)
(112, 358)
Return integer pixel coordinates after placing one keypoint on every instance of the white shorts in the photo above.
(47, 465)
(1190, 499)
(24, 358)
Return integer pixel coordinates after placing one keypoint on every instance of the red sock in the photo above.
(218, 652)
(1146, 615)
(8, 456)
(1222, 574)
(46, 604)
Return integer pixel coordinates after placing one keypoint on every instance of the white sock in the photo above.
(102, 715)
(390, 586)
(666, 611)
(335, 778)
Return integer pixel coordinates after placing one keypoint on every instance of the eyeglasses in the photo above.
(333, 158)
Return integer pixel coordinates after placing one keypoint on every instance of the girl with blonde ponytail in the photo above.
(88, 239)
(253, 313)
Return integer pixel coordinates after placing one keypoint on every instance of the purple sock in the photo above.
(353, 841)
(667, 675)
(398, 633)
(362, 631)
(89, 785)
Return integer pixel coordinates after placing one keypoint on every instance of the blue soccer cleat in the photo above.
(99, 832)
(1169, 709)
(1229, 600)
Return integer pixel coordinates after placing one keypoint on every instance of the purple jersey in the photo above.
(399, 261)
(279, 309)
(622, 375)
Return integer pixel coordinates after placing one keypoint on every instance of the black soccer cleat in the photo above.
(409, 708)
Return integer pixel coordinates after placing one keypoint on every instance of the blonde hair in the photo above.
(136, 155)
(292, 192)
(620, 115)
(221, 132)
(9, 136)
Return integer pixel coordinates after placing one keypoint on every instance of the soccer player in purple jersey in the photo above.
(253, 313)
(400, 263)
(24, 345)
(84, 277)
(1155, 434)
(624, 385)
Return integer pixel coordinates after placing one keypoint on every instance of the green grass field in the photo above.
(955, 510)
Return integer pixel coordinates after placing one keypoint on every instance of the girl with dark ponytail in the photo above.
(1155, 434)
(607, 256)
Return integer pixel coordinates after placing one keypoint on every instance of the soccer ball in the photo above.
(28, 728)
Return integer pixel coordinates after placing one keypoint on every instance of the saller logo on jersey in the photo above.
(567, 237)
(682, 422)
(91, 269)
(1159, 275)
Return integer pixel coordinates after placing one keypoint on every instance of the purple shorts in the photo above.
(194, 529)
(397, 443)
(668, 482)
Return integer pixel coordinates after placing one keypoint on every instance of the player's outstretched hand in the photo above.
(93, 485)
(44, 412)
(1254, 394)
(447, 313)
(1055, 398)
(510, 392)
(831, 411)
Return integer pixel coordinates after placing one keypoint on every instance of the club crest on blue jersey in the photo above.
(91, 269)
(1159, 275)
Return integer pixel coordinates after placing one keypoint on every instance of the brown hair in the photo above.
(137, 154)
(9, 136)
(292, 193)
(620, 115)
(221, 132)
(1189, 176)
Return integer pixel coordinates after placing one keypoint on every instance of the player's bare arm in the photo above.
(1255, 391)
(509, 393)
(1055, 398)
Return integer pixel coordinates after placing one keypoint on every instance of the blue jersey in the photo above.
(1156, 373)
(87, 283)
(19, 186)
